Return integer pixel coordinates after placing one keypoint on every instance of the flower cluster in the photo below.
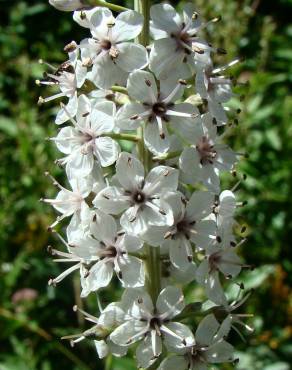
(154, 216)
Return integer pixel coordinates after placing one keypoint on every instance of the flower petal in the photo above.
(170, 302)
(132, 271)
(131, 57)
(106, 150)
(130, 172)
(103, 227)
(111, 200)
(128, 25)
(142, 87)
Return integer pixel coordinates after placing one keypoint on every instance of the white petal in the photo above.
(130, 171)
(122, 335)
(202, 272)
(128, 25)
(80, 74)
(101, 118)
(230, 263)
(100, 275)
(217, 111)
(201, 83)
(170, 301)
(174, 363)
(132, 271)
(99, 22)
(179, 254)
(131, 297)
(165, 17)
(82, 17)
(183, 335)
(214, 290)
(128, 111)
(160, 180)
(154, 235)
(142, 86)
(183, 277)
(207, 330)
(164, 57)
(200, 205)
(144, 352)
(220, 352)
(227, 203)
(107, 150)
(137, 222)
(101, 348)
(153, 140)
(103, 227)
(80, 164)
(190, 164)
(106, 73)
(71, 108)
(205, 233)
(117, 351)
(131, 57)
(65, 139)
(176, 202)
(109, 200)
(131, 243)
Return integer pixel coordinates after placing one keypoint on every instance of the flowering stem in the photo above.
(119, 89)
(128, 137)
(166, 156)
(153, 263)
(114, 7)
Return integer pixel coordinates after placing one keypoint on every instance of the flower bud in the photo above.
(67, 5)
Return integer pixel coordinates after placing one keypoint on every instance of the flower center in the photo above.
(105, 44)
(155, 323)
(138, 197)
(214, 260)
(206, 151)
(159, 109)
(110, 252)
(183, 227)
(85, 137)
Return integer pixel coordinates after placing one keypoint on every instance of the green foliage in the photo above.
(32, 324)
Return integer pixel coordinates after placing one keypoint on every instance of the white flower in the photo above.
(152, 324)
(110, 248)
(110, 317)
(218, 259)
(87, 139)
(177, 47)
(69, 77)
(172, 275)
(109, 51)
(203, 161)
(215, 89)
(140, 197)
(188, 227)
(99, 254)
(158, 108)
(72, 202)
(67, 5)
(230, 319)
(209, 347)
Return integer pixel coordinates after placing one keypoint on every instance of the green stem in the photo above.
(119, 89)
(153, 272)
(166, 156)
(152, 263)
(143, 7)
(114, 7)
(128, 137)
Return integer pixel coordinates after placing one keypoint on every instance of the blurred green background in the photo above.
(34, 316)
